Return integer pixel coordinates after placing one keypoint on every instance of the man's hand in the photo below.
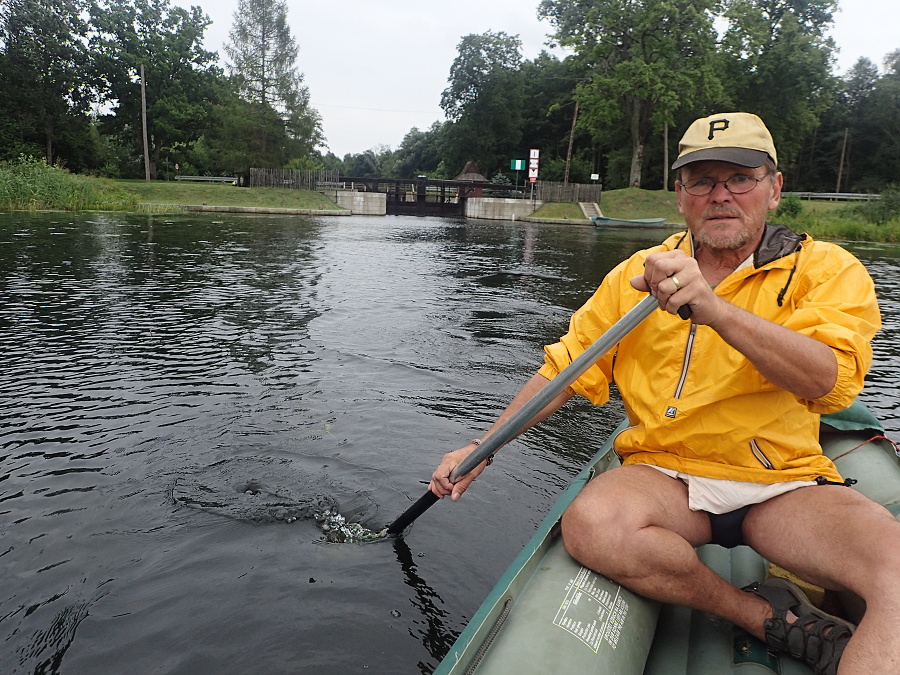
(441, 485)
(674, 278)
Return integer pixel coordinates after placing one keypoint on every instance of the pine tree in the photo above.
(263, 57)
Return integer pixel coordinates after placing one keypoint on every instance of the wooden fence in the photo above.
(329, 179)
(296, 179)
(567, 192)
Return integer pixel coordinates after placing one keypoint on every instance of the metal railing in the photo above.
(837, 196)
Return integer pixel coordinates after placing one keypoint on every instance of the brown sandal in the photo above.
(816, 638)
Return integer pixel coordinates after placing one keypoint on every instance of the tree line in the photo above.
(71, 72)
(634, 75)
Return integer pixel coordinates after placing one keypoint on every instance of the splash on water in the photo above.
(268, 490)
(338, 530)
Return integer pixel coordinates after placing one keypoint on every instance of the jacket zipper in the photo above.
(688, 350)
(760, 455)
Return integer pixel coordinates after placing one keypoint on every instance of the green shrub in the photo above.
(879, 211)
(791, 206)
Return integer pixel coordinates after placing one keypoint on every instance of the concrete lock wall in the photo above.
(501, 209)
(363, 203)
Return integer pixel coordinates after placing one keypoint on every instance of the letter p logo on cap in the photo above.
(717, 125)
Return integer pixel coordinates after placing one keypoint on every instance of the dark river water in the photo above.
(179, 396)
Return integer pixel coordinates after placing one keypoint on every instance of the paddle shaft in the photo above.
(521, 419)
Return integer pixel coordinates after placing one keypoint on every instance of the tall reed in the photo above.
(30, 184)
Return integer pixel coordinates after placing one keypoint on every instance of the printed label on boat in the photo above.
(591, 612)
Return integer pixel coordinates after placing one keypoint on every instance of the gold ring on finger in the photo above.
(675, 281)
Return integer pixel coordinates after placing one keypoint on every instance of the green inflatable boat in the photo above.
(548, 614)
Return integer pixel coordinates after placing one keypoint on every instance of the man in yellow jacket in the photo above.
(724, 409)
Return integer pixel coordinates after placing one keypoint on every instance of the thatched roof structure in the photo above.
(471, 173)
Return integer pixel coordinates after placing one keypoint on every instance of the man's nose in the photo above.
(720, 193)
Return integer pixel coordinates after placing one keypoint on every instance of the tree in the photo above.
(180, 75)
(483, 101)
(43, 74)
(375, 162)
(548, 110)
(649, 59)
(227, 141)
(479, 58)
(419, 152)
(263, 59)
(883, 123)
(779, 64)
(837, 146)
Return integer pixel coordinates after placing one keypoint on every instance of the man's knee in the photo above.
(599, 525)
(589, 535)
(884, 555)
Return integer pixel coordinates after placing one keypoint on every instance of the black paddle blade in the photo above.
(407, 517)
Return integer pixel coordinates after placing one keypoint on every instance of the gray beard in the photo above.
(722, 242)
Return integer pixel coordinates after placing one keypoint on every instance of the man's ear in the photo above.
(678, 194)
(777, 184)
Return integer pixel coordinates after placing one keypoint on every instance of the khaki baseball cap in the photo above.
(738, 138)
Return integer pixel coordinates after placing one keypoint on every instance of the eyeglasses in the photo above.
(736, 185)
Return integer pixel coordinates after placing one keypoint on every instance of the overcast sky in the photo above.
(376, 68)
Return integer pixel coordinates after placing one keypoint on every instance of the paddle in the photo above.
(520, 419)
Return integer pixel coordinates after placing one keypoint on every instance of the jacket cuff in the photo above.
(850, 381)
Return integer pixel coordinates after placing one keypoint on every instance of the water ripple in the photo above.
(176, 390)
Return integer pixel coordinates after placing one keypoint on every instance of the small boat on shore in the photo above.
(549, 614)
(603, 221)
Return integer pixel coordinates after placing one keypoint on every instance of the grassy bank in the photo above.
(635, 203)
(839, 221)
(629, 203)
(161, 193)
(821, 219)
(29, 184)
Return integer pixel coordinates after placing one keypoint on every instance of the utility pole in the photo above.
(843, 154)
(144, 124)
(666, 157)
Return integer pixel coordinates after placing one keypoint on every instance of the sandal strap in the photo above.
(819, 644)
(815, 637)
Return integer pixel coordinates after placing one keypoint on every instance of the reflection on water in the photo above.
(880, 393)
(183, 398)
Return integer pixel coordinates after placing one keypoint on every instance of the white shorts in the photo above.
(717, 495)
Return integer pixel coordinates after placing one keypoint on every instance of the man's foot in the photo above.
(800, 629)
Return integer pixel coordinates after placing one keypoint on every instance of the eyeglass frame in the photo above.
(756, 182)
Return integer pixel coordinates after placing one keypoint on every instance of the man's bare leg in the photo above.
(834, 537)
(633, 525)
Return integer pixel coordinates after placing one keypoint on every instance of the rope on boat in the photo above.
(874, 438)
(495, 629)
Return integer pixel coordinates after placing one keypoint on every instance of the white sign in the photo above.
(534, 156)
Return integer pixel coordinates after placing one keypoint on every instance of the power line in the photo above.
(350, 107)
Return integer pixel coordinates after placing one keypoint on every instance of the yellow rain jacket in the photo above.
(695, 403)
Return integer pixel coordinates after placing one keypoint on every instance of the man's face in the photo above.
(721, 220)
